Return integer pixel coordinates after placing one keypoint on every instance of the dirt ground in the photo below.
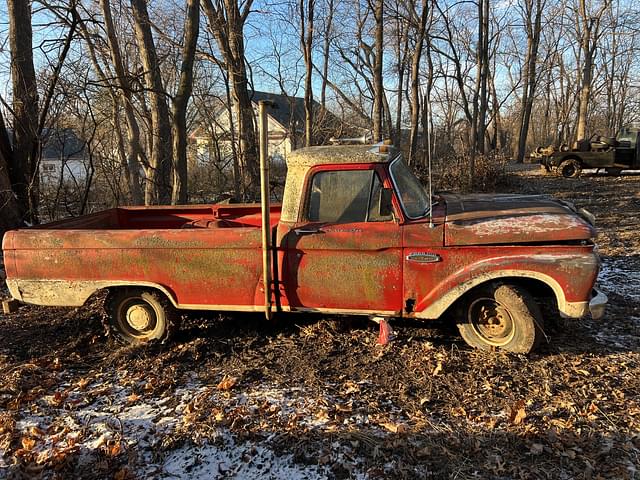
(237, 397)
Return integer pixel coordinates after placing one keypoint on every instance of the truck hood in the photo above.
(492, 219)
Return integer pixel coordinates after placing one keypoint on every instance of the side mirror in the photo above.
(385, 205)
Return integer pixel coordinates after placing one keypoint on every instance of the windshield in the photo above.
(413, 197)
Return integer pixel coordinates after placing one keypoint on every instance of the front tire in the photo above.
(502, 316)
(140, 315)
(570, 168)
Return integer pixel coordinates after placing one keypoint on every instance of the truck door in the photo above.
(343, 255)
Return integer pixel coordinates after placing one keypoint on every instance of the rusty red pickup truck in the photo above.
(356, 234)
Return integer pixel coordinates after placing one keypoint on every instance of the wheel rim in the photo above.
(491, 321)
(137, 318)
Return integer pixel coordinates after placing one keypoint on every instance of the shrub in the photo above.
(452, 173)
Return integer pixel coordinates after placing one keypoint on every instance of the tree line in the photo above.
(135, 78)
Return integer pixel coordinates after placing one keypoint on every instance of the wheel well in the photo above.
(118, 288)
(570, 157)
(537, 288)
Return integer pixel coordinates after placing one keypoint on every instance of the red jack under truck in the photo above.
(357, 234)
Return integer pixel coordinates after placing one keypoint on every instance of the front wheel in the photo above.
(502, 316)
(140, 315)
(570, 168)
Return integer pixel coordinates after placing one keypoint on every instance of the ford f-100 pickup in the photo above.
(356, 234)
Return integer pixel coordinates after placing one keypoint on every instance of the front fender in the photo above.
(570, 277)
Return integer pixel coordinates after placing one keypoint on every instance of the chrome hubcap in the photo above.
(139, 317)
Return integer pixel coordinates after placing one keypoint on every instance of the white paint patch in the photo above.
(527, 225)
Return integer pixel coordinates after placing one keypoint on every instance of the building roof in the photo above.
(61, 143)
(58, 143)
(288, 111)
(330, 154)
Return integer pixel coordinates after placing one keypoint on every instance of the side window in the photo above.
(345, 196)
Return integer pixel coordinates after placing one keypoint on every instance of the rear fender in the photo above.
(70, 293)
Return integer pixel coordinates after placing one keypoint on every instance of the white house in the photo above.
(285, 129)
(64, 157)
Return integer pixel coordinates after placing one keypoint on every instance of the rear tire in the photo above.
(570, 168)
(140, 315)
(502, 316)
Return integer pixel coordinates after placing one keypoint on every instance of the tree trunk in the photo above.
(306, 42)
(23, 163)
(159, 181)
(589, 26)
(529, 77)
(134, 147)
(325, 53)
(227, 24)
(9, 211)
(378, 86)
(180, 102)
(415, 80)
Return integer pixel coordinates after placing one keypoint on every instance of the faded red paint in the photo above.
(210, 256)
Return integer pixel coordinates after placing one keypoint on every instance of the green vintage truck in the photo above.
(612, 154)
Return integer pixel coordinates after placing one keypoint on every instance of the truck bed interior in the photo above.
(159, 218)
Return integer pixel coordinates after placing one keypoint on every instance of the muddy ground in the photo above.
(237, 397)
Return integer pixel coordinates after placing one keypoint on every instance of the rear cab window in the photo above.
(345, 196)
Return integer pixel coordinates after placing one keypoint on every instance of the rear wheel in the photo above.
(140, 315)
(502, 316)
(570, 168)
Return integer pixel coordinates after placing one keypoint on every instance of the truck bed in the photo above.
(198, 255)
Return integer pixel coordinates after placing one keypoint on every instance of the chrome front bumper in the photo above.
(597, 304)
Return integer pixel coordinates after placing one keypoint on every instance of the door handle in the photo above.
(307, 230)
(424, 257)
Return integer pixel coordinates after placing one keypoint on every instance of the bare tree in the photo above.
(158, 187)
(419, 34)
(327, 35)
(377, 7)
(181, 100)
(589, 31)
(226, 20)
(531, 14)
(306, 44)
(23, 160)
(124, 94)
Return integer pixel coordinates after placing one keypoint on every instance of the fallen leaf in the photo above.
(458, 412)
(518, 413)
(133, 398)
(28, 443)
(36, 432)
(437, 370)
(113, 448)
(82, 383)
(394, 427)
(227, 383)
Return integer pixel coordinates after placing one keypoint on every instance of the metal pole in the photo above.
(264, 202)
(428, 108)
